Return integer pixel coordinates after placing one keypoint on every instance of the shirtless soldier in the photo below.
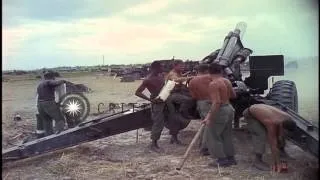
(267, 122)
(154, 82)
(179, 95)
(219, 119)
(198, 87)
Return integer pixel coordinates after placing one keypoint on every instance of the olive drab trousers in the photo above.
(158, 118)
(49, 110)
(219, 133)
(203, 107)
(259, 134)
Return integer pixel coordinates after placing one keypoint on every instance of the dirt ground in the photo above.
(120, 156)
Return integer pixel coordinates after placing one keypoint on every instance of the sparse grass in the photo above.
(65, 166)
(114, 158)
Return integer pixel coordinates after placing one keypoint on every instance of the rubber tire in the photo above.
(86, 102)
(285, 92)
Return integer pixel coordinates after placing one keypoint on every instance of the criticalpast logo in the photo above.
(75, 106)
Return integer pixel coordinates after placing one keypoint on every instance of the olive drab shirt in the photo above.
(46, 89)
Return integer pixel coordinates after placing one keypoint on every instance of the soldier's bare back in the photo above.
(268, 115)
(198, 87)
(221, 91)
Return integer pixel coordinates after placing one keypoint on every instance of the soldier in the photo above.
(47, 107)
(198, 87)
(219, 118)
(267, 123)
(154, 83)
(179, 95)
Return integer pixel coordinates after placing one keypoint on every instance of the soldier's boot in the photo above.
(259, 164)
(154, 146)
(232, 160)
(220, 162)
(204, 152)
(174, 139)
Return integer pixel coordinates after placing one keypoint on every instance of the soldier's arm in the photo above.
(140, 89)
(192, 89)
(174, 77)
(272, 139)
(281, 138)
(55, 82)
(233, 94)
(187, 73)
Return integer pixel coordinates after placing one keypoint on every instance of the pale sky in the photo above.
(51, 33)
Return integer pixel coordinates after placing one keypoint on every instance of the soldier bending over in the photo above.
(266, 123)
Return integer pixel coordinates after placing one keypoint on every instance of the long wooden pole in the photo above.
(186, 154)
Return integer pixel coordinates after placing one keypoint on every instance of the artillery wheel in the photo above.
(75, 107)
(176, 122)
(285, 92)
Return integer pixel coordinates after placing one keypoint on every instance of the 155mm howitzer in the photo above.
(283, 95)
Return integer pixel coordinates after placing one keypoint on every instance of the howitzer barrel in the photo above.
(231, 54)
(231, 45)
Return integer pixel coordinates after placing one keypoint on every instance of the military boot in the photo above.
(232, 160)
(154, 146)
(174, 139)
(220, 162)
(204, 152)
(259, 164)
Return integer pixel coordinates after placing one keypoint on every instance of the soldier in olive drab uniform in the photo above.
(47, 107)
(219, 119)
(198, 87)
(266, 124)
(154, 83)
(179, 95)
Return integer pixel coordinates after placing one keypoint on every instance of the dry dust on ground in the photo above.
(120, 156)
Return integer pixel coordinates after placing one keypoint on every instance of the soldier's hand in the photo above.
(187, 73)
(205, 121)
(158, 100)
(152, 100)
